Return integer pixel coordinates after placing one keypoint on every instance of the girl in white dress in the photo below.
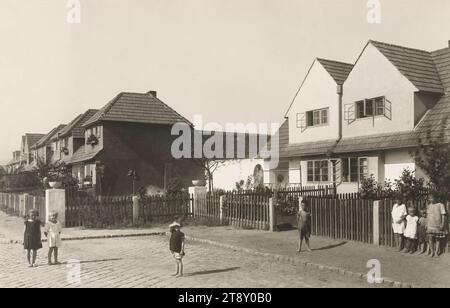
(53, 233)
(398, 215)
(411, 230)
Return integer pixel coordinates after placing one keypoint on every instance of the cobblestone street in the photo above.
(146, 262)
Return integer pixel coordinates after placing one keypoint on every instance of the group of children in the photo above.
(32, 241)
(423, 234)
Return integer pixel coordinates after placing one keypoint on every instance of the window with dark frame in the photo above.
(370, 107)
(317, 117)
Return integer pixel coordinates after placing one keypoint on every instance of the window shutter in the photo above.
(349, 113)
(301, 121)
(337, 171)
(387, 109)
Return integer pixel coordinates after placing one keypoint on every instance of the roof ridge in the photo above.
(401, 46)
(335, 61)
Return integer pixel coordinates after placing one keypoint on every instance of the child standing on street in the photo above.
(177, 249)
(398, 215)
(32, 237)
(53, 233)
(410, 232)
(304, 226)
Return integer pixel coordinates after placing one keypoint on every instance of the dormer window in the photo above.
(370, 107)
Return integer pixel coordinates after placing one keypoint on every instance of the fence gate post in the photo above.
(135, 209)
(376, 223)
(199, 193)
(271, 215)
(221, 209)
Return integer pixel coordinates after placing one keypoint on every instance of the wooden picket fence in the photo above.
(347, 219)
(83, 209)
(164, 208)
(207, 206)
(21, 204)
(247, 211)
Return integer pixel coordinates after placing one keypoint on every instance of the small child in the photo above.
(304, 226)
(32, 236)
(411, 230)
(176, 222)
(53, 233)
(422, 232)
(177, 249)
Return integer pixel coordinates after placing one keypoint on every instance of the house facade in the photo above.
(131, 132)
(352, 121)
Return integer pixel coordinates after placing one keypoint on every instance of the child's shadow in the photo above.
(331, 246)
(213, 271)
(89, 261)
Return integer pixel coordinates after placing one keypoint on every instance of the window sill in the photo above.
(371, 117)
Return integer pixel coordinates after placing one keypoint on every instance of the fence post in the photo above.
(135, 209)
(198, 192)
(221, 209)
(271, 215)
(376, 222)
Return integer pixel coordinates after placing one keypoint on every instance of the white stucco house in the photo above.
(352, 120)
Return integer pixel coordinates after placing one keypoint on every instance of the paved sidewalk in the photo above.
(421, 271)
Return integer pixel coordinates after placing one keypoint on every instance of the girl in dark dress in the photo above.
(32, 237)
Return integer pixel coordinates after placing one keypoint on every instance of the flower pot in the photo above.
(198, 182)
(55, 184)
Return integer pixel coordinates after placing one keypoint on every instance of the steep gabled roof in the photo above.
(46, 138)
(415, 64)
(33, 138)
(338, 70)
(441, 59)
(75, 127)
(137, 108)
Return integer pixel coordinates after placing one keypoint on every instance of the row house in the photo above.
(44, 149)
(353, 120)
(131, 132)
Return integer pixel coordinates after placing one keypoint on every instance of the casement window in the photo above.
(317, 117)
(318, 171)
(370, 107)
(354, 169)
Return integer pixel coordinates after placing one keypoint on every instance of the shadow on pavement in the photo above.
(213, 271)
(331, 246)
(91, 261)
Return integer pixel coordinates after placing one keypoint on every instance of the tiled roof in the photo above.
(398, 140)
(46, 138)
(137, 108)
(338, 70)
(58, 130)
(80, 155)
(415, 64)
(301, 149)
(441, 59)
(75, 128)
(33, 138)
(438, 117)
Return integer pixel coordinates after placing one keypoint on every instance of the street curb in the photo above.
(341, 271)
(93, 237)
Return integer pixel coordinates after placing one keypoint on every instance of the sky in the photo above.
(226, 60)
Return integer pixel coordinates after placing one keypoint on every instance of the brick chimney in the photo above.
(153, 93)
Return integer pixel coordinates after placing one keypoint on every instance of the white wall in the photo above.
(373, 76)
(230, 172)
(318, 91)
(395, 162)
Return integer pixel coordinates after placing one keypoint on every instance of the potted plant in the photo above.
(92, 140)
(54, 181)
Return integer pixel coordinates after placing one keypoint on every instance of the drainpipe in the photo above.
(339, 93)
